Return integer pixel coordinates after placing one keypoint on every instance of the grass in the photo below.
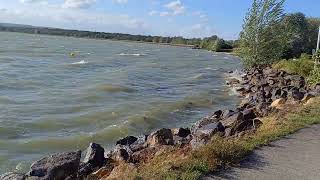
(176, 163)
(302, 66)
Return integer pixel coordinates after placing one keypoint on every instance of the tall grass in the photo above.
(302, 66)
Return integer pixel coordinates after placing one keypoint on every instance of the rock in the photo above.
(139, 144)
(205, 121)
(181, 132)
(144, 155)
(127, 140)
(181, 141)
(245, 125)
(278, 103)
(227, 113)
(103, 172)
(249, 114)
(306, 97)
(233, 81)
(160, 137)
(276, 93)
(296, 95)
(85, 169)
(317, 88)
(227, 132)
(121, 153)
(57, 166)
(202, 135)
(95, 155)
(12, 176)
(263, 109)
(238, 116)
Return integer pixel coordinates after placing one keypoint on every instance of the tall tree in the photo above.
(261, 39)
(295, 27)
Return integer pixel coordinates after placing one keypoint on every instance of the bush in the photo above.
(314, 77)
(302, 66)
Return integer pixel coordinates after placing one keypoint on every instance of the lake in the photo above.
(61, 93)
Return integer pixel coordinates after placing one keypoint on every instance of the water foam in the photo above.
(80, 62)
(133, 54)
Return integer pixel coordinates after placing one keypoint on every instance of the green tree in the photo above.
(296, 35)
(261, 39)
(313, 28)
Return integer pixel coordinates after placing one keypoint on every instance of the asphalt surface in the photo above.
(296, 157)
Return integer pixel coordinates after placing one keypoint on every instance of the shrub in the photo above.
(302, 66)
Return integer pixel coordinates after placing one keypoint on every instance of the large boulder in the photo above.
(12, 176)
(278, 103)
(203, 135)
(161, 137)
(95, 155)
(57, 166)
(127, 140)
(296, 95)
(139, 144)
(181, 132)
(245, 126)
(249, 114)
(121, 153)
(215, 117)
(263, 109)
(229, 121)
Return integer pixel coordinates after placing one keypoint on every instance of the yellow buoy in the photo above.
(72, 54)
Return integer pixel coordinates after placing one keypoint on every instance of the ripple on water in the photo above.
(111, 88)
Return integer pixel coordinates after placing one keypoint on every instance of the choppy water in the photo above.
(52, 102)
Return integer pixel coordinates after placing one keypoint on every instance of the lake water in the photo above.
(60, 93)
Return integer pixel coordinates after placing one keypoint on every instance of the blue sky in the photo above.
(188, 18)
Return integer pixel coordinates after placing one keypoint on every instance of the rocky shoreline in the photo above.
(264, 90)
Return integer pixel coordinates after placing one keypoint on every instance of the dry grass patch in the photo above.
(222, 153)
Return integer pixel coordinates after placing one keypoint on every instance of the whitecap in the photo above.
(80, 62)
(133, 54)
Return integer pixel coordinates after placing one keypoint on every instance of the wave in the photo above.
(80, 62)
(133, 54)
(114, 88)
(235, 75)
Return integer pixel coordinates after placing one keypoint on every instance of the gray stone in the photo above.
(229, 121)
(57, 166)
(12, 176)
(139, 144)
(127, 140)
(203, 135)
(95, 155)
(161, 137)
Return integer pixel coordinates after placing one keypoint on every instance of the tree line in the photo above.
(213, 43)
(269, 34)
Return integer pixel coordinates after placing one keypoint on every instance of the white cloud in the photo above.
(197, 30)
(121, 1)
(152, 13)
(34, 1)
(201, 15)
(53, 16)
(176, 7)
(165, 13)
(83, 4)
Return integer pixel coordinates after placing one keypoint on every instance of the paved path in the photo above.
(296, 157)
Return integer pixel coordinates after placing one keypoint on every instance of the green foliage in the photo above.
(295, 35)
(205, 43)
(314, 77)
(302, 66)
(313, 27)
(262, 36)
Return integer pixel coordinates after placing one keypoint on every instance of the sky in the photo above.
(187, 18)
